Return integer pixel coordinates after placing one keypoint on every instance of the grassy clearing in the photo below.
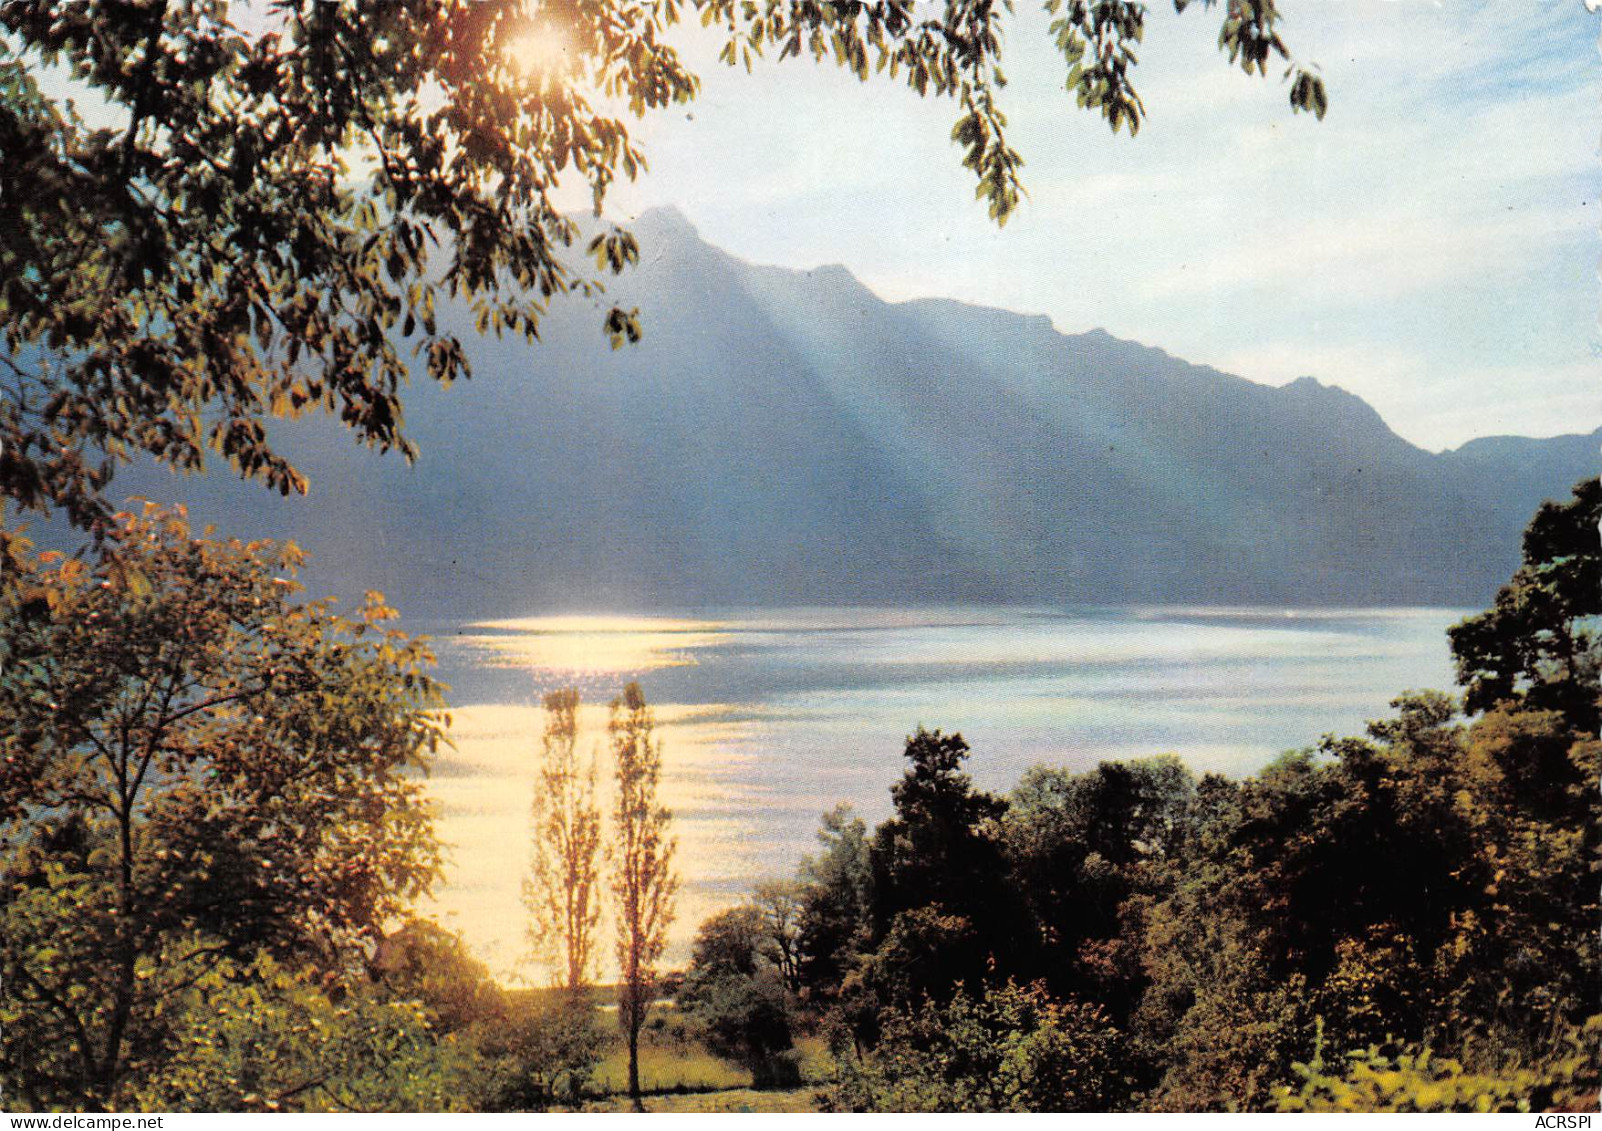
(817, 1066)
(677, 1073)
(668, 1068)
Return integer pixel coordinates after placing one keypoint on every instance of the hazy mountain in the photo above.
(786, 437)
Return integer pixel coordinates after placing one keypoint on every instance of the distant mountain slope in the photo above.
(787, 437)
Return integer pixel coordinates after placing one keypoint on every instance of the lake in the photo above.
(771, 717)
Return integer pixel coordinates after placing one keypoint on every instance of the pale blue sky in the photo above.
(1431, 245)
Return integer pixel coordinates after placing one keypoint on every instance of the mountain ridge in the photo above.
(788, 437)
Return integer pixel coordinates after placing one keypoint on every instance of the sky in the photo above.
(1431, 245)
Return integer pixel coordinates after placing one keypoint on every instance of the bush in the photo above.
(746, 1019)
(546, 1057)
(1014, 1049)
(1418, 1080)
(270, 1037)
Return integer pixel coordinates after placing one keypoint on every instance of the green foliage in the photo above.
(836, 901)
(1538, 643)
(1235, 1041)
(527, 1051)
(1427, 882)
(543, 1057)
(195, 765)
(1122, 811)
(780, 904)
(927, 952)
(1086, 849)
(1327, 883)
(1376, 987)
(272, 1038)
(667, 1066)
(1518, 965)
(1376, 1079)
(1011, 1049)
(747, 1019)
(1406, 1082)
(936, 806)
(423, 962)
(729, 943)
(938, 855)
(56, 930)
(737, 995)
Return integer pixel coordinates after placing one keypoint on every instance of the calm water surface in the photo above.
(770, 717)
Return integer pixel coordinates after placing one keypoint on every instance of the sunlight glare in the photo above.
(541, 52)
(482, 787)
(593, 645)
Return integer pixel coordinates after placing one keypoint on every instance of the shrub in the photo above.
(1012, 1049)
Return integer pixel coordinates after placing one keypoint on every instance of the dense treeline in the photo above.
(212, 828)
(1135, 936)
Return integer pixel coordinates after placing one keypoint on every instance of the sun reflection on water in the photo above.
(592, 645)
(770, 718)
(483, 790)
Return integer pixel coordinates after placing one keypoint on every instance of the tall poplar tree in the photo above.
(563, 891)
(643, 880)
